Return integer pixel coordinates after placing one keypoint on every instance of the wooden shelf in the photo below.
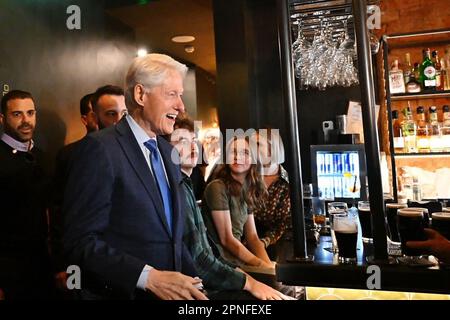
(423, 155)
(418, 39)
(420, 95)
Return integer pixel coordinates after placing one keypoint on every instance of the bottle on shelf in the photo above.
(409, 130)
(423, 139)
(444, 77)
(413, 85)
(427, 72)
(406, 183)
(434, 131)
(408, 68)
(445, 61)
(445, 129)
(416, 71)
(438, 67)
(446, 115)
(399, 144)
(416, 190)
(396, 81)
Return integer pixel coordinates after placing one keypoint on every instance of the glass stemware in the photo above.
(327, 61)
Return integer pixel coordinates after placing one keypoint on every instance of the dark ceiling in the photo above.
(156, 22)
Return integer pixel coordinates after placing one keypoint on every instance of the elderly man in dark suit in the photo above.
(123, 201)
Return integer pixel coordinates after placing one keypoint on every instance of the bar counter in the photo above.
(325, 271)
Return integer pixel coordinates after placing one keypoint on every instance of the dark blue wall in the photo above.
(38, 53)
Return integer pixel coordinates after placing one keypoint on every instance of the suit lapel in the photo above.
(175, 179)
(137, 160)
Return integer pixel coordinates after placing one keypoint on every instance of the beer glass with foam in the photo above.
(391, 214)
(335, 208)
(411, 228)
(441, 223)
(346, 232)
(365, 220)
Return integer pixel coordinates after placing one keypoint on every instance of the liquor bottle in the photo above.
(446, 115)
(416, 190)
(427, 72)
(434, 131)
(417, 71)
(445, 129)
(399, 144)
(396, 81)
(409, 130)
(413, 85)
(423, 139)
(408, 69)
(438, 67)
(444, 76)
(446, 67)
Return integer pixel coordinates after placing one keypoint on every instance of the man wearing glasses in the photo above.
(24, 260)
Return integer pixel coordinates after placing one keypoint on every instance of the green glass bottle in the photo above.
(427, 72)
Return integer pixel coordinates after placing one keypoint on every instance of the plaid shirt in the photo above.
(215, 272)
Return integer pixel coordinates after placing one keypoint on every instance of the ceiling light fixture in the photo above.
(142, 52)
(183, 39)
(189, 49)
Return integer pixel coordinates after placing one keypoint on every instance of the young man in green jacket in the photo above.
(222, 280)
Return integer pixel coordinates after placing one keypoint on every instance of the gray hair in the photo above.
(150, 71)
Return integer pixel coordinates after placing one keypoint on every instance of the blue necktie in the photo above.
(161, 181)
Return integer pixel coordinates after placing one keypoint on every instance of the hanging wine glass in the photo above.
(348, 43)
(327, 61)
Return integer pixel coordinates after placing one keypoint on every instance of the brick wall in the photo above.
(400, 16)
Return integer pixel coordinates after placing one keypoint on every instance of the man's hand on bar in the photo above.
(436, 245)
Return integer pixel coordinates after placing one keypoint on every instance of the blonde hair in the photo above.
(275, 142)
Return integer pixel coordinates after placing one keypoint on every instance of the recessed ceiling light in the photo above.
(189, 49)
(183, 39)
(142, 52)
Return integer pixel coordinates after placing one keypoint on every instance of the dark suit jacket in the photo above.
(114, 216)
(24, 189)
(62, 169)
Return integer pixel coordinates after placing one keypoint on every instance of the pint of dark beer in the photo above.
(366, 220)
(426, 215)
(391, 213)
(410, 228)
(346, 232)
(441, 223)
(335, 208)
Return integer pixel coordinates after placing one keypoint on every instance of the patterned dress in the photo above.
(274, 217)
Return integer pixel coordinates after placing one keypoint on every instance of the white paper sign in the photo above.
(354, 119)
